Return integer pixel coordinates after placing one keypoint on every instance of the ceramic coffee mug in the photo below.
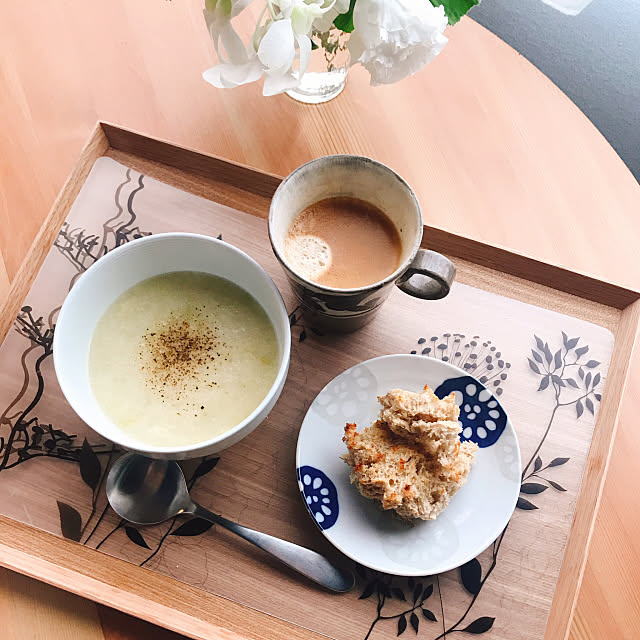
(422, 273)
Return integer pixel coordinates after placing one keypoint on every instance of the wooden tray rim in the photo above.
(162, 600)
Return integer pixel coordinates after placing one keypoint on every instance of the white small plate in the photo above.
(377, 539)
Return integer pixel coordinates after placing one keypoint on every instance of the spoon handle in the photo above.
(307, 562)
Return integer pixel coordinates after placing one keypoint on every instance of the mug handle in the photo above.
(438, 274)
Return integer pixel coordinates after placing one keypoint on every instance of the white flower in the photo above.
(277, 53)
(394, 39)
(280, 48)
(237, 64)
(325, 21)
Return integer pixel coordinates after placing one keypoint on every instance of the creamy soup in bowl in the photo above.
(175, 345)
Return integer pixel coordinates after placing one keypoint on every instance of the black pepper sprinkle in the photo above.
(174, 353)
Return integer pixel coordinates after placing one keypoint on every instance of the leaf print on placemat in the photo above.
(481, 625)
(193, 527)
(471, 576)
(90, 467)
(553, 367)
(580, 393)
(387, 588)
(136, 537)
(207, 465)
(70, 521)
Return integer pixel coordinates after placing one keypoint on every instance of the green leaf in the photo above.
(344, 21)
(454, 9)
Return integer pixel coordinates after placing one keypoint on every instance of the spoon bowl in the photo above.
(148, 491)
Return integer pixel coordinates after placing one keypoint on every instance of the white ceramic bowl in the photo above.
(119, 270)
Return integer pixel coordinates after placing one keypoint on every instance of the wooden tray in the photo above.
(483, 268)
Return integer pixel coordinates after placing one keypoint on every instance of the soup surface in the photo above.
(181, 358)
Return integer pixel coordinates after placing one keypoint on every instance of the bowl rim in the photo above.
(73, 299)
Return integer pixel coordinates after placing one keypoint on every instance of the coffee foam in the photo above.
(309, 255)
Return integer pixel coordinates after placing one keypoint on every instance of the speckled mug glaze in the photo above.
(421, 273)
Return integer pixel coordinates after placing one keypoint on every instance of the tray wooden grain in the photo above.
(192, 611)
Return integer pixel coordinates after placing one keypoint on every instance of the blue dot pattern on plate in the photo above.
(483, 419)
(320, 496)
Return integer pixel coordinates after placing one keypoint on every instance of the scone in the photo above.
(406, 468)
(423, 418)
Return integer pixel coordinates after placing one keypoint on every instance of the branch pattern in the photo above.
(483, 360)
(400, 603)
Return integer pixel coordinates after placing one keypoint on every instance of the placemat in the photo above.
(547, 369)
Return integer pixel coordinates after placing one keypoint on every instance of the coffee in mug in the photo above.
(343, 242)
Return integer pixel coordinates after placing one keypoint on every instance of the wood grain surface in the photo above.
(494, 150)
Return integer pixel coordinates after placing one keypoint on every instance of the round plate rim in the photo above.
(438, 570)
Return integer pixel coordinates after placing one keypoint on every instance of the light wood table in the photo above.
(493, 149)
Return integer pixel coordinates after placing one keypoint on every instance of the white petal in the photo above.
(277, 49)
(238, 6)
(227, 76)
(303, 15)
(286, 7)
(233, 45)
(251, 71)
(356, 47)
(213, 25)
(276, 82)
(214, 76)
(325, 21)
(304, 43)
(210, 18)
(396, 38)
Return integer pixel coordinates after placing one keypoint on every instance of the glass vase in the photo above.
(326, 75)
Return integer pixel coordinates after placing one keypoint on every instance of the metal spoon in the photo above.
(148, 491)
